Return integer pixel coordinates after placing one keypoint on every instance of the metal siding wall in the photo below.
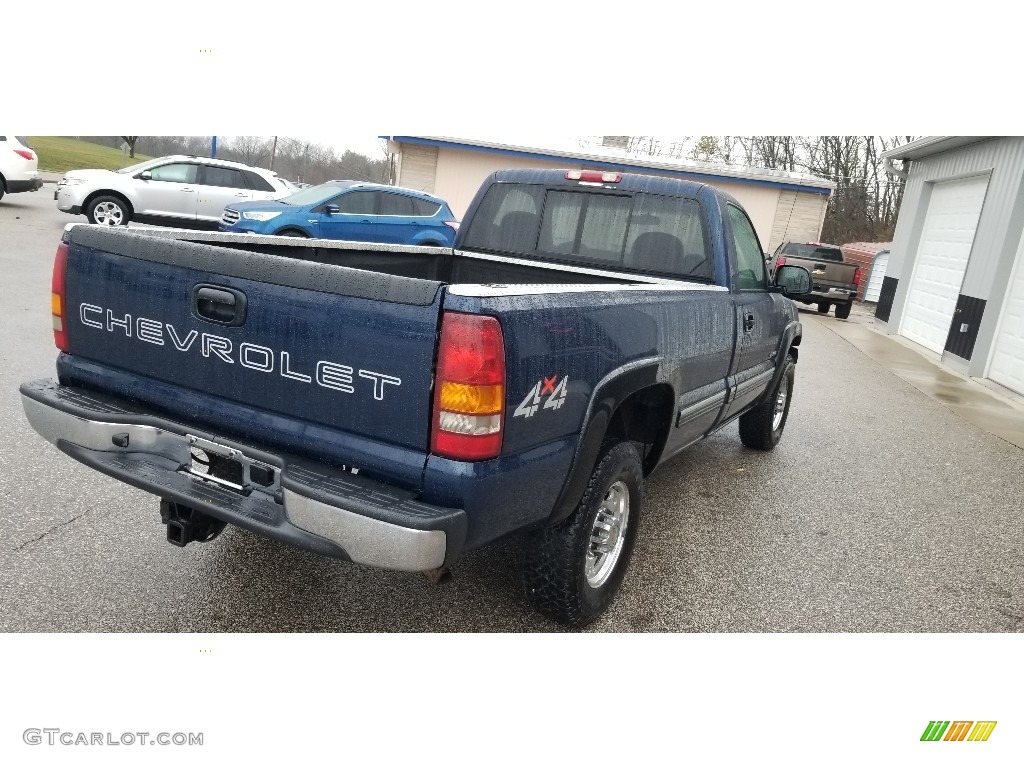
(1004, 157)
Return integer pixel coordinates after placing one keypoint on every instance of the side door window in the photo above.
(357, 203)
(396, 205)
(178, 173)
(215, 176)
(750, 271)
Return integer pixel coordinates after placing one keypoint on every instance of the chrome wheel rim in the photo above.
(109, 214)
(780, 405)
(608, 535)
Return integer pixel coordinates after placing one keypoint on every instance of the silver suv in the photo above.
(180, 190)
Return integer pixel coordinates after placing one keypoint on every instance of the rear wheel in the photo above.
(572, 571)
(109, 210)
(824, 307)
(761, 427)
(843, 310)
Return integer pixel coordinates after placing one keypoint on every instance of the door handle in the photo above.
(187, 189)
(748, 322)
(221, 305)
(241, 194)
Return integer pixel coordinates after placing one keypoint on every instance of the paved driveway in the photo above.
(881, 510)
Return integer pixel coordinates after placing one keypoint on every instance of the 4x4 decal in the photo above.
(552, 387)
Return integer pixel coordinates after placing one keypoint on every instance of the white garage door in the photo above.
(946, 242)
(1008, 351)
(874, 289)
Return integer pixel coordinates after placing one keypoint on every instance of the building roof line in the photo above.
(739, 174)
(929, 145)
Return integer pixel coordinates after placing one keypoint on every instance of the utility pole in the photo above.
(272, 153)
(214, 148)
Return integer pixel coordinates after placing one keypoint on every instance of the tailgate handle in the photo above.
(216, 304)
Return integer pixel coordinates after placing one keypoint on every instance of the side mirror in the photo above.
(145, 176)
(793, 280)
(331, 209)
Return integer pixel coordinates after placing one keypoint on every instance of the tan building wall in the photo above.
(458, 174)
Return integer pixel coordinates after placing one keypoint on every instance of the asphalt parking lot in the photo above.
(880, 511)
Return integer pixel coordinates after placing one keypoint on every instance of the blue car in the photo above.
(349, 210)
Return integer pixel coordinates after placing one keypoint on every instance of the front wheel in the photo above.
(572, 571)
(761, 427)
(108, 210)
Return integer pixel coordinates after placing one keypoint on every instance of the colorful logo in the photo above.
(958, 730)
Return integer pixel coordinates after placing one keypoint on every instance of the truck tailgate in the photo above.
(826, 274)
(350, 350)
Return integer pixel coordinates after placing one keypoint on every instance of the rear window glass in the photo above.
(810, 251)
(257, 182)
(639, 232)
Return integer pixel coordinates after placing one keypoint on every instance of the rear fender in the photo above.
(609, 393)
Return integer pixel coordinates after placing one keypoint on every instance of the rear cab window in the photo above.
(812, 251)
(614, 229)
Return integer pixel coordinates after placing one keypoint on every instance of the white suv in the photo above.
(19, 166)
(179, 190)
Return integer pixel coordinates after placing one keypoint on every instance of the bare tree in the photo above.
(130, 141)
(251, 150)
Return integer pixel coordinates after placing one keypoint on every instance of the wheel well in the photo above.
(109, 193)
(286, 230)
(645, 418)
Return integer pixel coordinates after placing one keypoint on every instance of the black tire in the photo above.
(843, 310)
(757, 426)
(3, 187)
(555, 560)
(291, 233)
(111, 210)
(823, 307)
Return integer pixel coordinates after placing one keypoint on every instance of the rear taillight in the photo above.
(25, 153)
(469, 390)
(856, 276)
(594, 176)
(453, 224)
(780, 262)
(57, 298)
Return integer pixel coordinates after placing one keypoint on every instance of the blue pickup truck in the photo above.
(400, 406)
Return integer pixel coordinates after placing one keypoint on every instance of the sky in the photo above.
(506, 76)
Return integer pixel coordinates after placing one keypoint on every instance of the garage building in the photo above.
(782, 205)
(954, 282)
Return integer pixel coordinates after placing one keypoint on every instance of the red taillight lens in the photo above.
(469, 390)
(856, 276)
(25, 153)
(598, 176)
(780, 262)
(57, 306)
